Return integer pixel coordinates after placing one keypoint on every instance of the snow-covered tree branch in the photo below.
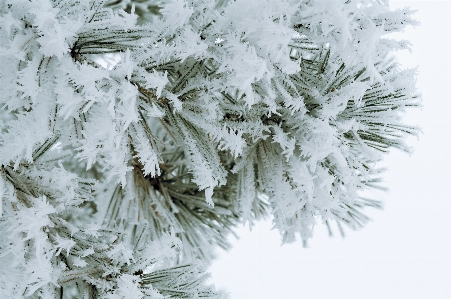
(131, 146)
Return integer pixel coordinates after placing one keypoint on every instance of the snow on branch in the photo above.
(117, 177)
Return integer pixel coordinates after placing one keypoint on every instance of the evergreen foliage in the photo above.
(131, 146)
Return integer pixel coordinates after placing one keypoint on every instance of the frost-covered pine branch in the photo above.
(136, 135)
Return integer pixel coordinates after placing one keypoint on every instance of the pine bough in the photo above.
(130, 147)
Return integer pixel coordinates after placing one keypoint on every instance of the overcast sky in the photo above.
(405, 252)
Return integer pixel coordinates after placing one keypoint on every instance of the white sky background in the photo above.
(405, 252)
